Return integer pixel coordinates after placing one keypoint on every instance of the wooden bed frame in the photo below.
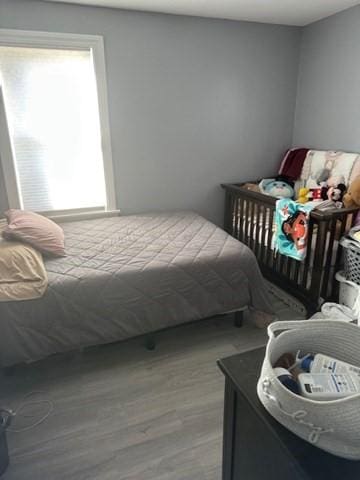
(311, 281)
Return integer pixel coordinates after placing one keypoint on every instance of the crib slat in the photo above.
(289, 267)
(343, 225)
(320, 245)
(230, 219)
(252, 227)
(269, 251)
(282, 263)
(261, 220)
(306, 263)
(327, 281)
(241, 220)
(246, 222)
(263, 233)
(236, 218)
(296, 272)
(228, 213)
(257, 219)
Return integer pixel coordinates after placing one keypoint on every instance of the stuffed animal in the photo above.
(335, 188)
(303, 195)
(317, 193)
(279, 187)
(352, 196)
(253, 187)
(336, 194)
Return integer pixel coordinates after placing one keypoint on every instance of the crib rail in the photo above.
(249, 217)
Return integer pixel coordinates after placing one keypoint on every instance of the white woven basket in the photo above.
(333, 425)
(349, 292)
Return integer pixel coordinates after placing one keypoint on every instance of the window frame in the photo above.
(37, 39)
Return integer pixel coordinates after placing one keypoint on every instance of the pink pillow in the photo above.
(37, 230)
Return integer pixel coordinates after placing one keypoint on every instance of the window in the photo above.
(53, 103)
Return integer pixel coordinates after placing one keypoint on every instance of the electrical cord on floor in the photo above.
(25, 404)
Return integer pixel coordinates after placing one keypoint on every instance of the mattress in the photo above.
(131, 275)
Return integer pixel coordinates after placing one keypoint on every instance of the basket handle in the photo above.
(281, 326)
(298, 416)
(346, 242)
(340, 278)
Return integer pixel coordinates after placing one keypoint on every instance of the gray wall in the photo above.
(328, 101)
(193, 102)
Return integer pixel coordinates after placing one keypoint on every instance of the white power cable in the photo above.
(24, 404)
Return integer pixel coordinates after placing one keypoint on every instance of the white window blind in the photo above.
(52, 111)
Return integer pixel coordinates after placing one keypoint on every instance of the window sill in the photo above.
(72, 217)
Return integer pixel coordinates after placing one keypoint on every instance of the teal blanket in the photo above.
(292, 227)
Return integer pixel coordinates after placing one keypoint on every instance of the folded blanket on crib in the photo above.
(291, 228)
(293, 162)
(321, 165)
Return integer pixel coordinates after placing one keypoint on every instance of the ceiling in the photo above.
(287, 12)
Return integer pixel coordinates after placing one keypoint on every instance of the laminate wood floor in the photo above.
(122, 412)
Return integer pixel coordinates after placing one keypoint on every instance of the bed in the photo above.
(127, 276)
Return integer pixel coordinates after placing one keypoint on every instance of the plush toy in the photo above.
(352, 196)
(279, 187)
(253, 187)
(333, 189)
(336, 193)
(303, 195)
(317, 193)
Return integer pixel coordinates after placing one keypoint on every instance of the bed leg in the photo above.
(238, 319)
(150, 342)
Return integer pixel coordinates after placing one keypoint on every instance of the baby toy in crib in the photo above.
(279, 187)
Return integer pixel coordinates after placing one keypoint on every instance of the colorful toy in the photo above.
(335, 188)
(279, 187)
(253, 187)
(317, 193)
(336, 193)
(303, 195)
(352, 196)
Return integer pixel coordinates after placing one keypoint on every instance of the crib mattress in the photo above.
(130, 275)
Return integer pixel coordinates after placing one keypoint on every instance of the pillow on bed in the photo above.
(37, 230)
(22, 272)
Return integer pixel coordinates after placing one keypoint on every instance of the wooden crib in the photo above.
(249, 217)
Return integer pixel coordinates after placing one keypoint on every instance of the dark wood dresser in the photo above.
(256, 447)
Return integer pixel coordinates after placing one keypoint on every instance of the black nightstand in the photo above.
(256, 447)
